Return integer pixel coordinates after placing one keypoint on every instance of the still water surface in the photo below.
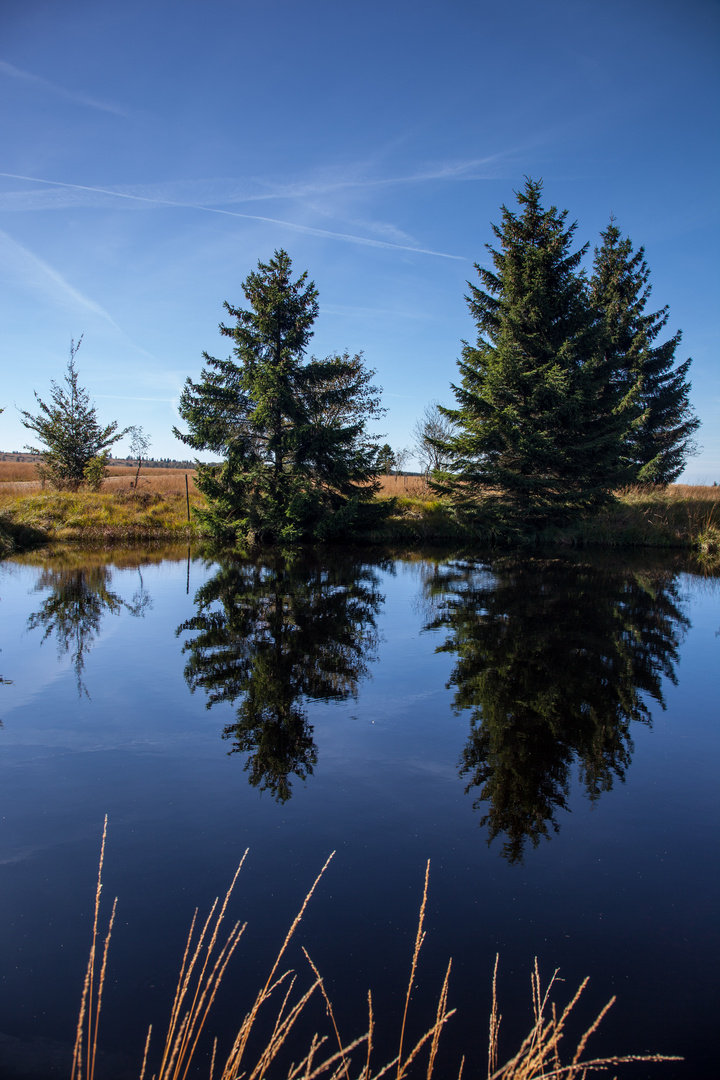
(544, 730)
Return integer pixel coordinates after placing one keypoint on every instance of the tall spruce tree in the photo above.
(658, 444)
(298, 459)
(539, 419)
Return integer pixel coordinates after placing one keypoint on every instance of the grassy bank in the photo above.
(32, 516)
(47, 517)
(679, 516)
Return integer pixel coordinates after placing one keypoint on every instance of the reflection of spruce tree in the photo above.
(73, 611)
(556, 660)
(276, 634)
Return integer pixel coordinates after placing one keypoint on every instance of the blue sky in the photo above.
(151, 152)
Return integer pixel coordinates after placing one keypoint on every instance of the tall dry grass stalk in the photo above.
(203, 966)
(86, 1036)
(204, 963)
(539, 1055)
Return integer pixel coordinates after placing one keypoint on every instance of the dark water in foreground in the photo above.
(544, 730)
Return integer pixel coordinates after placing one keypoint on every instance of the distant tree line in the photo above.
(154, 463)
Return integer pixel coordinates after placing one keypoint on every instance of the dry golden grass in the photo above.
(86, 1037)
(204, 963)
(404, 486)
(20, 477)
(17, 471)
(672, 494)
(162, 481)
(418, 487)
(678, 515)
(539, 1055)
(19, 487)
(87, 515)
(693, 491)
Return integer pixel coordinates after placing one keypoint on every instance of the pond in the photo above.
(542, 728)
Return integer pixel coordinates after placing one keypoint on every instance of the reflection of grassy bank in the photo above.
(15, 536)
(679, 516)
(72, 556)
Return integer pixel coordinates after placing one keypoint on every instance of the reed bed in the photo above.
(208, 952)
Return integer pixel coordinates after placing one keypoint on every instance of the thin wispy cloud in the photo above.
(59, 91)
(382, 229)
(208, 194)
(296, 226)
(19, 264)
(255, 189)
(52, 199)
(135, 397)
(373, 313)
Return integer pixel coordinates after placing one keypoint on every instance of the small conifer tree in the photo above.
(69, 431)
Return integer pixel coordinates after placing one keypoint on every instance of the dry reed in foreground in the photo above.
(204, 963)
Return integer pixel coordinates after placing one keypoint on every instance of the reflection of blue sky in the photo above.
(29, 675)
(42, 706)
(385, 794)
(141, 183)
(30, 671)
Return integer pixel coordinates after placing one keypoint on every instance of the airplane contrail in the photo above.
(348, 237)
